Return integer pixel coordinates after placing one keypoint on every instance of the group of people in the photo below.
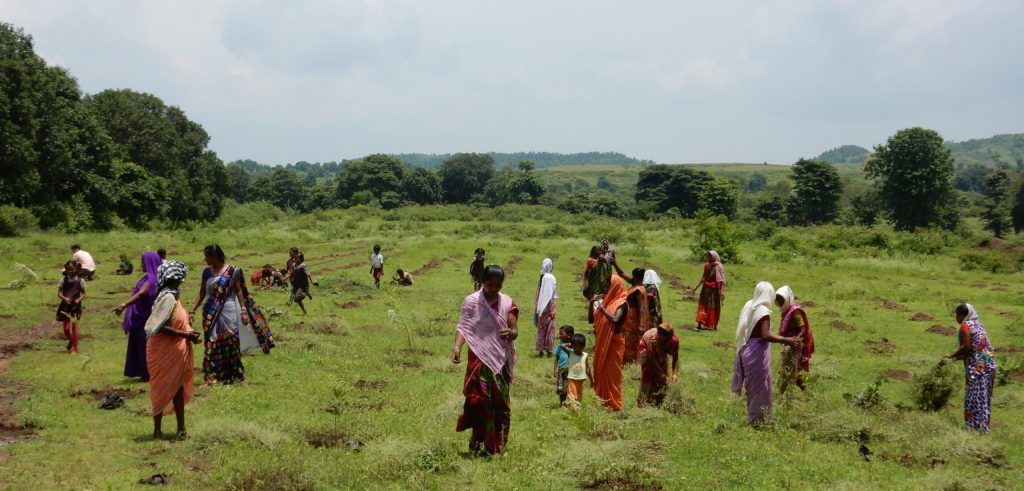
(401, 277)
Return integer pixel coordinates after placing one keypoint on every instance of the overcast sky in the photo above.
(722, 81)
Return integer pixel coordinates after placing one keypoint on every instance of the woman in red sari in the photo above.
(712, 293)
(610, 344)
(488, 324)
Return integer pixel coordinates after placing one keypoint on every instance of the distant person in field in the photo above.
(610, 344)
(795, 361)
(231, 321)
(136, 310)
(652, 283)
(975, 349)
(579, 370)
(476, 268)
(86, 264)
(488, 324)
(292, 253)
(300, 279)
(544, 319)
(712, 293)
(752, 370)
(162, 253)
(125, 267)
(169, 350)
(636, 323)
(656, 346)
(271, 276)
(561, 371)
(598, 271)
(402, 277)
(376, 265)
(71, 292)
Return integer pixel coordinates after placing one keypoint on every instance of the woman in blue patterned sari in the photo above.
(979, 366)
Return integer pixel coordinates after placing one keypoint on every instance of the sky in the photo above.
(675, 82)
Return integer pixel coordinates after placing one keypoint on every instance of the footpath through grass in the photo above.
(371, 367)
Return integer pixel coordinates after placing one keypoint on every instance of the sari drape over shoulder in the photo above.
(170, 362)
(980, 372)
(609, 347)
(709, 305)
(135, 318)
(636, 324)
(752, 369)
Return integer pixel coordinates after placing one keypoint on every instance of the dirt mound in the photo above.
(890, 305)
(993, 244)
(332, 439)
(433, 264)
(724, 344)
(1007, 349)
(921, 316)
(351, 305)
(510, 268)
(366, 297)
(11, 349)
(897, 374)
(940, 329)
(370, 384)
(842, 326)
(880, 347)
(622, 483)
(830, 313)
(688, 296)
(1008, 314)
(808, 303)
(98, 394)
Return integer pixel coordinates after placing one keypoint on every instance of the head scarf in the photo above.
(716, 263)
(787, 297)
(166, 302)
(755, 308)
(152, 261)
(137, 313)
(665, 326)
(651, 278)
(972, 315)
(479, 325)
(170, 270)
(546, 287)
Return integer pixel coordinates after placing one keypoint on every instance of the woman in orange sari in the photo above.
(712, 293)
(610, 344)
(637, 318)
(168, 352)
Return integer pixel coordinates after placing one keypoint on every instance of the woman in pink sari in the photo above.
(795, 361)
(488, 324)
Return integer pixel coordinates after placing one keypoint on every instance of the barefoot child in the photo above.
(300, 281)
(476, 268)
(376, 265)
(71, 292)
(579, 370)
(561, 371)
(403, 278)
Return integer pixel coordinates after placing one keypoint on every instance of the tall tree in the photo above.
(377, 173)
(672, 186)
(915, 172)
(421, 186)
(287, 191)
(997, 202)
(464, 175)
(816, 193)
(718, 197)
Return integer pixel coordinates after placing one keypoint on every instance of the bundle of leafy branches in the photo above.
(870, 397)
(677, 402)
(26, 277)
(933, 388)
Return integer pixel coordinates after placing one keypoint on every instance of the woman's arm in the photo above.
(675, 366)
(589, 376)
(764, 328)
(143, 291)
(620, 315)
(199, 301)
(241, 302)
(457, 350)
(964, 349)
(590, 311)
(513, 326)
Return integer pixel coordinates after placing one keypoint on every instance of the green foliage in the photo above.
(771, 208)
(871, 396)
(756, 183)
(14, 220)
(465, 174)
(521, 186)
(714, 232)
(816, 193)
(933, 389)
(543, 159)
(286, 191)
(377, 173)
(1017, 206)
(866, 208)
(845, 154)
(673, 186)
(990, 261)
(915, 173)
(997, 210)
(718, 197)
(421, 186)
(989, 151)
(971, 178)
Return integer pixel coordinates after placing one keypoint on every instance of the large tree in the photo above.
(816, 192)
(996, 212)
(464, 175)
(421, 186)
(718, 197)
(377, 173)
(915, 173)
(672, 186)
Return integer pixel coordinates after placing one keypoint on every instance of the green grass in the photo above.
(378, 371)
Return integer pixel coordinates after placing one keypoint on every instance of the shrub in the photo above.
(870, 397)
(14, 220)
(933, 388)
(991, 261)
(240, 216)
(715, 233)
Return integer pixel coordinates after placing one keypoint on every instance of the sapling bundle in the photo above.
(26, 277)
(933, 388)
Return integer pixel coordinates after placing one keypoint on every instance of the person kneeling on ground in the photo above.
(402, 278)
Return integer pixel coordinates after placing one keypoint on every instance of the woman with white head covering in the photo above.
(544, 318)
(795, 361)
(980, 366)
(652, 282)
(753, 367)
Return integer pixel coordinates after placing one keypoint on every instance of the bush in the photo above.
(14, 220)
(933, 388)
(236, 216)
(715, 233)
(991, 261)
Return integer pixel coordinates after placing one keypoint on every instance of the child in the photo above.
(476, 268)
(376, 265)
(402, 278)
(71, 292)
(561, 371)
(579, 370)
(300, 281)
(125, 267)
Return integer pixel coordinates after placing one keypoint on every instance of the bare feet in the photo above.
(158, 435)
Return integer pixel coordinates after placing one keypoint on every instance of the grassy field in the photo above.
(372, 365)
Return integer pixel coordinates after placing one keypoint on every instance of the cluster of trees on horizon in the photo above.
(77, 161)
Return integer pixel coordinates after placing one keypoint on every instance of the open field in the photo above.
(372, 365)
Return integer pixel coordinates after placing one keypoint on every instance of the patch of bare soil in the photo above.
(724, 344)
(350, 305)
(1007, 349)
(941, 329)
(510, 268)
(326, 438)
(1009, 314)
(98, 394)
(890, 305)
(808, 303)
(921, 316)
(830, 313)
(11, 349)
(688, 296)
(366, 297)
(897, 374)
(433, 264)
(370, 384)
(372, 327)
(880, 347)
(842, 326)
(13, 341)
(621, 483)
(412, 364)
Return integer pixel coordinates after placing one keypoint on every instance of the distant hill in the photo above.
(989, 152)
(846, 154)
(542, 159)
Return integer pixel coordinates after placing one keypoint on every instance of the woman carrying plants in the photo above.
(598, 271)
(979, 366)
(488, 324)
(794, 324)
(712, 293)
(545, 305)
(136, 310)
(752, 369)
(610, 344)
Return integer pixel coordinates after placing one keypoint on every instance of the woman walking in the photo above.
(795, 361)
(752, 369)
(652, 283)
(610, 344)
(488, 324)
(169, 350)
(136, 310)
(979, 366)
(712, 293)
(545, 305)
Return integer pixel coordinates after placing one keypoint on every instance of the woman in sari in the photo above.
(230, 319)
(488, 324)
(979, 368)
(545, 305)
(652, 283)
(752, 370)
(656, 346)
(169, 349)
(636, 323)
(598, 271)
(712, 293)
(610, 344)
(795, 361)
(136, 310)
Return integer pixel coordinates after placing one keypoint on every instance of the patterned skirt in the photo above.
(978, 402)
(222, 359)
(709, 307)
(546, 328)
(486, 410)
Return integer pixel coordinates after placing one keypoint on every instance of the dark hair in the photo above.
(567, 328)
(479, 250)
(399, 271)
(294, 249)
(638, 274)
(962, 310)
(268, 266)
(300, 257)
(75, 246)
(578, 339)
(588, 291)
(493, 272)
(72, 263)
(162, 253)
(214, 250)
(376, 247)
(595, 250)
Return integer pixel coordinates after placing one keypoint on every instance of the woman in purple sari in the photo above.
(752, 370)
(136, 311)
